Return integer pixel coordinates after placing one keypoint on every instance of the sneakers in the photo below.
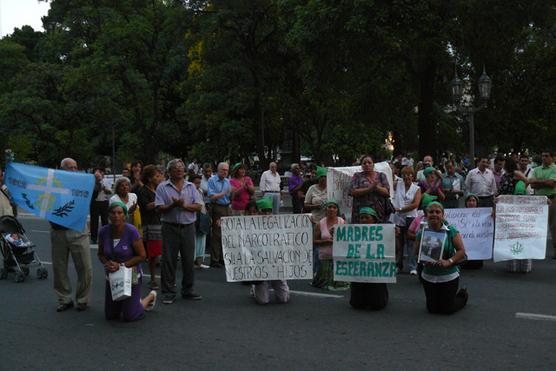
(201, 266)
(413, 272)
(191, 296)
(169, 300)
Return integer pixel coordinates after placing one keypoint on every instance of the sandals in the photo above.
(151, 305)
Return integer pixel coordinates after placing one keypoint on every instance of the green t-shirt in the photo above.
(545, 173)
(448, 252)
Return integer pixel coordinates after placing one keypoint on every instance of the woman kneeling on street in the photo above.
(370, 296)
(120, 244)
(261, 289)
(441, 278)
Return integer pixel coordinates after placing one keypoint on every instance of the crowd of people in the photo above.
(173, 214)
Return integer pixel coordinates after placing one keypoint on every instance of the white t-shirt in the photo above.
(270, 182)
(131, 199)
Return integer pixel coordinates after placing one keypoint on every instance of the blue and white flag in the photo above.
(62, 197)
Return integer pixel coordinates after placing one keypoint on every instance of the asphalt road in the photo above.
(228, 331)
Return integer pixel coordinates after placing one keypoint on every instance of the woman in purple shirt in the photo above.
(120, 244)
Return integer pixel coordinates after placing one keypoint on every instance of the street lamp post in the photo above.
(457, 88)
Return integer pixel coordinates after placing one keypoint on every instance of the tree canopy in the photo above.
(232, 80)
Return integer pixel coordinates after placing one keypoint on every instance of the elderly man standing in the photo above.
(219, 191)
(270, 186)
(178, 202)
(480, 182)
(544, 183)
(64, 242)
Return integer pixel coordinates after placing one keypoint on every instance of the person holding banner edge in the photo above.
(323, 238)
(370, 188)
(441, 279)
(65, 241)
(261, 289)
(369, 296)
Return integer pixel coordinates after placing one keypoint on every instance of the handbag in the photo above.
(121, 283)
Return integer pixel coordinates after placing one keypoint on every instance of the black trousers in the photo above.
(297, 204)
(98, 209)
(370, 296)
(442, 298)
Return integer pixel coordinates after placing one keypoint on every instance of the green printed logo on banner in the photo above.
(516, 248)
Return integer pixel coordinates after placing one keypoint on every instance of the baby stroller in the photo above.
(18, 251)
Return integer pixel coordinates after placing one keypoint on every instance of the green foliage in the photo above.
(232, 79)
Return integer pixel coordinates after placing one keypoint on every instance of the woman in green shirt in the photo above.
(441, 278)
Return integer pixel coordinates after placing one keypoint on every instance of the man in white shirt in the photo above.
(270, 186)
(427, 162)
(480, 182)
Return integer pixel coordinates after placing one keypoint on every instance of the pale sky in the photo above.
(16, 13)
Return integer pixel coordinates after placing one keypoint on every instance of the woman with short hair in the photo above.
(242, 189)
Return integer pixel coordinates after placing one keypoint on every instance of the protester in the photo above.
(270, 186)
(99, 203)
(150, 218)
(441, 279)
(135, 179)
(316, 195)
(480, 181)
(407, 198)
(370, 188)
(526, 169)
(498, 169)
(544, 183)
(262, 288)
(202, 228)
(6, 205)
(220, 191)
(122, 194)
(367, 295)
(242, 189)
(65, 242)
(178, 201)
(432, 183)
(295, 182)
(471, 201)
(427, 162)
(120, 245)
(453, 186)
(207, 173)
(323, 238)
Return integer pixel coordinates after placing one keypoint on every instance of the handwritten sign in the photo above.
(521, 227)
(338, 184)
(364, 253)
(476, 227)
(267, 247)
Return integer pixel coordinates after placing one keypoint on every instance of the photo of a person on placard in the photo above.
(431, 246)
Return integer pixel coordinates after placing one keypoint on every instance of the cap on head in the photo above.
(321, 171)
(368, 211)
(116, 204)
(264, 203)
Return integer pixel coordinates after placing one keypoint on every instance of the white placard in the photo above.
(364, 253)
(476, 227)
(338, 184)
(267, 247)
(521, 227)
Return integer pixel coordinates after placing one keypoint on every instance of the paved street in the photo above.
(228, 331)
